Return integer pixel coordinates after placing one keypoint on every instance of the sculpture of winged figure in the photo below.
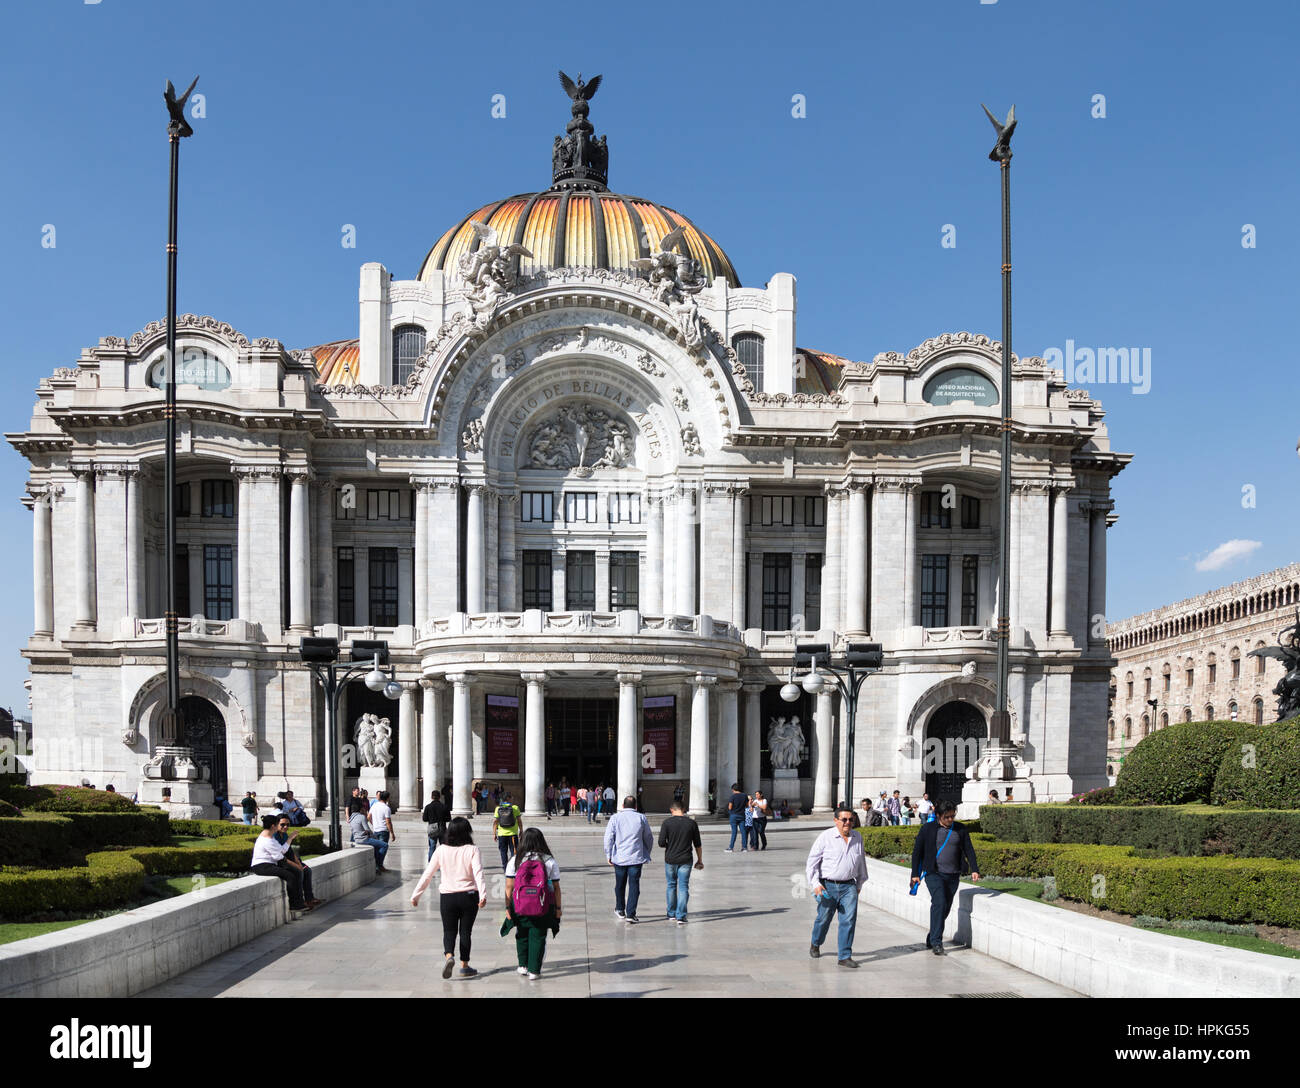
(176, 109)
(383, 743)
(580, 91)
(366, 740)
(785, 743)
(1002, 150)
(672, 275)
(489, 271)
(1286, 651)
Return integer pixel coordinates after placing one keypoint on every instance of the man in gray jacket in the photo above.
(629, 843)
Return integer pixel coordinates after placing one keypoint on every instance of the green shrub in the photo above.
(44, 839)
(210, 829)
(1103, 795)
(1266, 775)
(107, 879)
(66, 799)
(7, 810)
(97, 830)
(1178, 764)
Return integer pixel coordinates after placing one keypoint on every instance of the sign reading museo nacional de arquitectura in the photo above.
(575, 466)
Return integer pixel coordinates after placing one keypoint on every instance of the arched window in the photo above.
(1165, 673)
(1110, 729)
(1259, 661)
(1128, 683)
(1259, 711)
(408, 346)
(749, 350)
(1146, 683)
(1128, 728)
(1146, 725)
(1164, 719)
(1187, 714)
(1209, 713)
(1232, 711)
(1235, 658)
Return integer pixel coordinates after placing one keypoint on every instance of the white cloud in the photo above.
(1228, 552)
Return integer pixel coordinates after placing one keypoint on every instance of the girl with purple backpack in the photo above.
(532, 900)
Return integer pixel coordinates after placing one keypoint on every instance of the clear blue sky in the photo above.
(1127, 229)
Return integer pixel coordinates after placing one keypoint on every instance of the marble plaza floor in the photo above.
(747, 935)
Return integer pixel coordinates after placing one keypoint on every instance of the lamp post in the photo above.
(321, 654)
(860, 659)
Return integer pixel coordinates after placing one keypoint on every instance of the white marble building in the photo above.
(591, 504)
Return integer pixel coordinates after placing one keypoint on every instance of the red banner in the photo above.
(502, 728)
(659, 734)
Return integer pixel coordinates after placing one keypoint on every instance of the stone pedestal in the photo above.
(999, 768)
(785, 786)
(373, 779)
(174, 769)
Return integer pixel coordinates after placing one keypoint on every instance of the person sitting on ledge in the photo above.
(294, 859)
(268, 860)
(362, 836)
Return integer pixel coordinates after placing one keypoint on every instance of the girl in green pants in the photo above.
(530, 931)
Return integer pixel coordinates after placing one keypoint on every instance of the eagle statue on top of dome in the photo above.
(489, 271)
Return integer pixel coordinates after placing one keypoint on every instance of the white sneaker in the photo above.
(620, 915)
(681, 921)
(531, 975)
(523, 971)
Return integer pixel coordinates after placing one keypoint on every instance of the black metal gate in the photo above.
(205, 732)
(952, 743)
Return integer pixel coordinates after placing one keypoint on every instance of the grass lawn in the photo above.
(1232, 940)
(20, 931)
(187, 882)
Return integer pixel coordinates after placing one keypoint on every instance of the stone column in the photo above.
(266, 538)
(135, 599)
(535, 745)
(652, 591)
(855, 573)
(833, 562)
(43, 564)
(475, 571)
(753, 754)
(408, 794)
(729, 737)
(1060, 558)
(911, 615)
(324, 560)
(823, 761)
(669, 583)
(699, 792)
(684, 559)
(508, 597)
(85, 532)
(461, 754)
(299, 552)
(628, 752)
(1097, 511)
(405, 580)
(738, 546)
(421, 551)
(429, 779)
(243, 542)
(443, 565)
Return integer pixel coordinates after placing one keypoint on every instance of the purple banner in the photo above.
(659, 734)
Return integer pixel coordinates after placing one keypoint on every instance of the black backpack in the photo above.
(505, 816)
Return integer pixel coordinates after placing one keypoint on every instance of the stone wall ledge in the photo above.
(138, 949)
(1094, 957)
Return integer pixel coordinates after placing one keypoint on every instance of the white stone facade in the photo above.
(1191, 658)
(457, 455)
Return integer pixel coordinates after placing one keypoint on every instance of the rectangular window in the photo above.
(183, 581)
(1166, 687)
(218, 581)
(1191, 675)
(537, 579)
(580, 506)
(580, 581)
(218, 498)
(812, 591)
(625, 506)
(814, 510)
(388, 504)
(181, 500)
(772, 510)
(345, 502)
(970, 573)
(1236, 668)
(383, 587)
(1211, 669)
(537, 506)
(776, 591)
(934, 590)
(970, 512)
(1146, 687)
(934, 515)
(624, 580)
(347, 588)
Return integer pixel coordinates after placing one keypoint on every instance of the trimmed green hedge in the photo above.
(1178, 764)
(66, 799)
(7, 810)
(107, 879)
(1184, 831)
(44, 839)
(1267, 773)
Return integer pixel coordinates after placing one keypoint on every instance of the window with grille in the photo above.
(537, 579)
(181, 500)
(383, 587)
(537, 506)
(408, 346)
(624, 580)
(388, 504)
(749, 350)
(934, 515)
(934, 591)
(182, 581)
(580, 506)
(346, 581)
(625, 506)
(580, 581)
(814, 510)
(218, 498)
(970, 512)
(772, 510)
(218, 581)
(776, 591)
(970, 572)
(812, 591)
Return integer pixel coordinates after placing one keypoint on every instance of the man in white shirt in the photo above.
(836, 870)
(924, 808)
(381, 818)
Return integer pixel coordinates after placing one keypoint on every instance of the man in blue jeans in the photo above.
(678, 834)
(629, 844)
(836, 870)
(737, 803)
(940, 854)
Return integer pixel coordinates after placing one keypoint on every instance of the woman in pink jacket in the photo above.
(463, 891)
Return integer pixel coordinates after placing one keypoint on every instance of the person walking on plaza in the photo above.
(677, 835)
(836, 870)
(629, 844)
(737, 803)
(361, 836)
(507, 823)
(760, 809)
(381, 818)
(248, 806)
(908, 811)
(925, 809)
(436, 817)
(610, 798)
(941, 853)
(550, 799)
(532, 901)
(895, 806)
(463, 891)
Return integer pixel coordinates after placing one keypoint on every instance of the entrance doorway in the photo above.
(952, 743)
(581, 738)
(204, 730)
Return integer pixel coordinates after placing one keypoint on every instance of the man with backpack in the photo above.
(506, 826)
(436, 817)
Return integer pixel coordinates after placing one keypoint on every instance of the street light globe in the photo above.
(393, 690)
(790, 693)
(813, 684)
(376, 680)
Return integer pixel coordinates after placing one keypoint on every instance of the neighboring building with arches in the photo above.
(592, 505)
(1196, 652)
